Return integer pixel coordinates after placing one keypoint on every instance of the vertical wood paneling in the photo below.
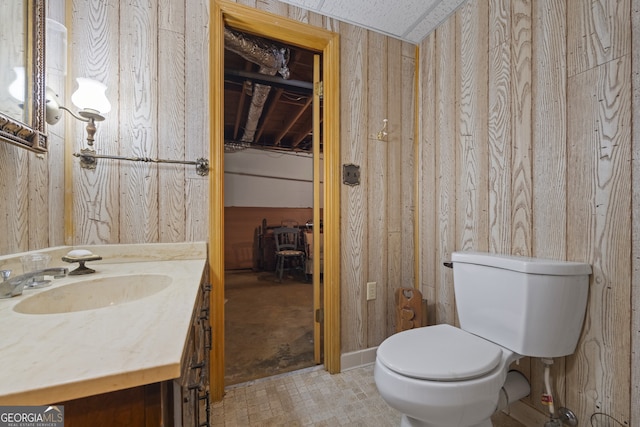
(521, 163)
(273, 6)
(94, 29)
(154, 53)
(404, 87)
(171, 135)
(561, 186)
(588, 40)
(549, 129)
(196, 111)
(354, 257)
(499, 130)
(635, 213)
(378, 198)
(393, 143)
(600, 184)
(564, 182)
(14, 179)
(41, 189)
(56, 80)
(499, 22)
(27, 221)
(426, 180)
(38, 201)
(522, 180)
(138, 133)
(298, 14)
(446, 141)
(598, 31)
(472, 204)
(251, 3)
(548, 148)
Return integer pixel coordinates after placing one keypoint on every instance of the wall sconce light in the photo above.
(91, 100)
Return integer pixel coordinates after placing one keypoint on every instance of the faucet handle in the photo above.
(5, 274)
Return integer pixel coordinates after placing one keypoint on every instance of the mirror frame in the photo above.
(31, 135)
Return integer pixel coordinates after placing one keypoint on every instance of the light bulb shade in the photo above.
(91, 95)
(17, 87)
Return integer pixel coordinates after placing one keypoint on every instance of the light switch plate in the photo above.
(371, 291)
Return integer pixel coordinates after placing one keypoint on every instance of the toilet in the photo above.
(508, 307)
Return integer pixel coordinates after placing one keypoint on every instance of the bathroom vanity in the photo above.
(129, 342)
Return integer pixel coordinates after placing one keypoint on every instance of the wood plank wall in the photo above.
(32, 185)
(377, 83)
(525, 148)
(635, 207)
(153, 56)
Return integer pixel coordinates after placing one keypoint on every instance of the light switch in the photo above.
(371, 290)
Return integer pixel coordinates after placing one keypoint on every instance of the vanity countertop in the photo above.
(48, 358)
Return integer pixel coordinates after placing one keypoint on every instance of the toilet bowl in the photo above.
(442, 376)
(508, 307)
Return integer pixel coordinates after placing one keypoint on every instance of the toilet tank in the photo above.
(534, 307)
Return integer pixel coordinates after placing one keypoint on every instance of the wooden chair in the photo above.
(287, 249)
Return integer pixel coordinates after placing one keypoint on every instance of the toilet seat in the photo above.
(439, 353)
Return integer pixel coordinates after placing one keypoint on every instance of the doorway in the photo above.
(274, 27)
(269, 183)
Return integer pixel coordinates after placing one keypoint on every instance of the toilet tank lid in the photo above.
(523, 264)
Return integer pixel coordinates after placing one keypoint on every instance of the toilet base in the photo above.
(412, 422)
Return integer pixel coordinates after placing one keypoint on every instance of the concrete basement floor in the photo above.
(268, 325)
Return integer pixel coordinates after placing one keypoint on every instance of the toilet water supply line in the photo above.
(564, 416)
(547, 396)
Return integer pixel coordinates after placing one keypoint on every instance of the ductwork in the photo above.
(259, 98)
(271, 60)
(256, 50)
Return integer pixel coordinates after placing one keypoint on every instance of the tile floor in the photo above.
(311, 397)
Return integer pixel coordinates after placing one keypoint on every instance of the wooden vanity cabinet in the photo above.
(193, 384)
(143, 406)
(181, 402)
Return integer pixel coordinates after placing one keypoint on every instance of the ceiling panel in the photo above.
(408, 20)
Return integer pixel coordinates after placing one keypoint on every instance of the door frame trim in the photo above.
(296, 33)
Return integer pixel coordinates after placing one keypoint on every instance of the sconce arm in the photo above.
(82, 119)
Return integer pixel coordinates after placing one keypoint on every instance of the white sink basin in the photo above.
(91, 294)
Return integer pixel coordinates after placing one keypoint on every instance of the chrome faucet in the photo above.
(11, 287)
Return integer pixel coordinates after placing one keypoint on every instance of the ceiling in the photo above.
(408, 20)
(281, 115)
(284, 121)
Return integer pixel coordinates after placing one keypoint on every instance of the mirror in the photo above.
(22, 80)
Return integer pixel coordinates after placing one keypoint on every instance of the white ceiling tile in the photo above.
(306, 4)
(386, 16)
(432, 20)
(409, 20)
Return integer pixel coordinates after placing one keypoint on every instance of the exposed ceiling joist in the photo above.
(262, 109)
(297, 86)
